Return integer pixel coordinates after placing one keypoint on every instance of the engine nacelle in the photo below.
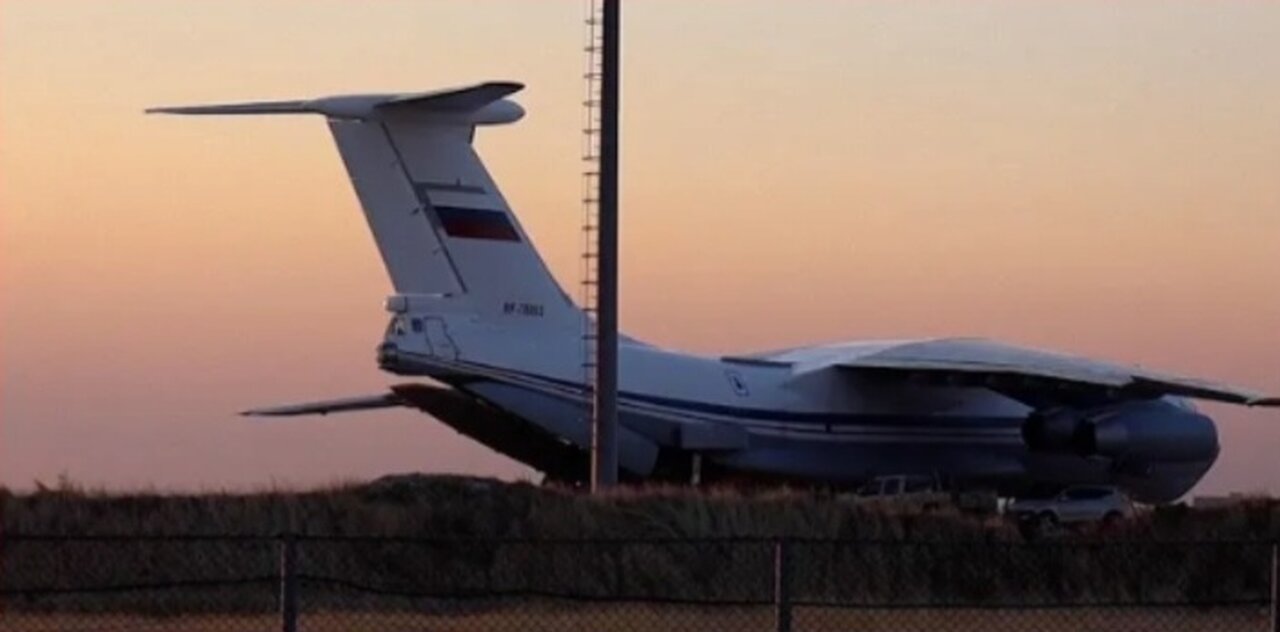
(1052, 430)
(1152, 431)
(1141, 431)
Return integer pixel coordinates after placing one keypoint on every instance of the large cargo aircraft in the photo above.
(495, 349)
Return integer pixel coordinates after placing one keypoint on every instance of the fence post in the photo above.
(1275, 586)
(289, 584)
(618, 575)
(782, 585)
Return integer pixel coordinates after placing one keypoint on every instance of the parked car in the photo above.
(1073, 505)
(898, 485)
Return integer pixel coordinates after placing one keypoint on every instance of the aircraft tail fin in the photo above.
(441, 224)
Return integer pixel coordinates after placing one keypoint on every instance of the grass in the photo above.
(445, 506)
(458, 506)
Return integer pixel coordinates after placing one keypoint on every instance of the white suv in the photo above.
(1073, 505)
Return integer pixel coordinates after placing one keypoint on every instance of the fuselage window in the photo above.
(416, 324)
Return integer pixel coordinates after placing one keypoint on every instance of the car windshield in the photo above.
(919, 485)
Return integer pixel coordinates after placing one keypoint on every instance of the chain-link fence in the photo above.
(313, 584)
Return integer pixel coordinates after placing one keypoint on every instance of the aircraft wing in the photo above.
(1006, 368)
(349, 404)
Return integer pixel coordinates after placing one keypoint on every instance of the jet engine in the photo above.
(1156, 430)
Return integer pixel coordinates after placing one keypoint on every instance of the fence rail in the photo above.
(319, 583)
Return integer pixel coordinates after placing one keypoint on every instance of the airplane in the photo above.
(495, 349)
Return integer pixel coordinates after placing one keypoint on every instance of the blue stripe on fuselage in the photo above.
(821, 420)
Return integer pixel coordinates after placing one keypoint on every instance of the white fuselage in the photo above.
(753, 418)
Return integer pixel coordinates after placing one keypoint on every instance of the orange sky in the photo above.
(1100, 178)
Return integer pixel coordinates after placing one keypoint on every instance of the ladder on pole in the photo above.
(593, 48)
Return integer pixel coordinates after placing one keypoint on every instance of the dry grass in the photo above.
(459, 506)
(646, 618)
(444, 506)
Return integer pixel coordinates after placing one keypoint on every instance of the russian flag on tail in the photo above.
(474, 223)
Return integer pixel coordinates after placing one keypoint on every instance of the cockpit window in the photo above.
(396, 326)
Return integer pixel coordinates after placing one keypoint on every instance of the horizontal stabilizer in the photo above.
(259, 107)
(363, 106)
(459, 99)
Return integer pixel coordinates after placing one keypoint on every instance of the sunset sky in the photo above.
(1101, 178)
